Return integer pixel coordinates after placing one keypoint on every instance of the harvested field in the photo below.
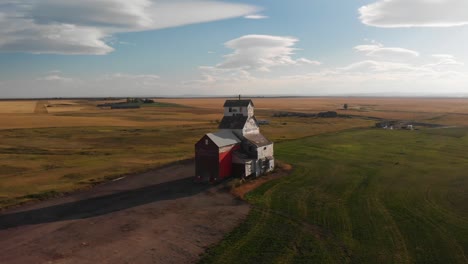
(442, 110)
(17, 107)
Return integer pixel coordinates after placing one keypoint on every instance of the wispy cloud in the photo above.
(378, 50)
(256, 16)
(261, 52)
(415, 13)
(55, 78)
(82, 27)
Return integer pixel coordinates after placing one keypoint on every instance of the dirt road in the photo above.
(156, 217)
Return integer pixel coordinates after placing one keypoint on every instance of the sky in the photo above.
(151, 48)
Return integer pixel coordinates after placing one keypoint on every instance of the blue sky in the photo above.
(173, 48)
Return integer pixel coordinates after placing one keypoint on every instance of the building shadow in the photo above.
(102, 205)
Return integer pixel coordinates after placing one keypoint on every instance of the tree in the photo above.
(345, 106)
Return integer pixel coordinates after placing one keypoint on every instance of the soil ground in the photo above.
(156, 217)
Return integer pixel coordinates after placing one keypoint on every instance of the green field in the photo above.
(361, 196)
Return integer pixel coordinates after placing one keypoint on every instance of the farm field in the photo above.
(360, 196)
(356, 194)
(431, 110)
(65, 145)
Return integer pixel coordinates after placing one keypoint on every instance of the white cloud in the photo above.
(110, 13)
(371, 66)
(377, 50)
(391, 70)
(307, 61)
(24, 36)
(82, 27)
(55, 78)
(256, 16)
(415, 13)
(261, 52)
(445, 60)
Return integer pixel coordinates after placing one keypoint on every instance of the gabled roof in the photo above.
(238, 103)
(224, 138)
(233, 122)
(257, 139)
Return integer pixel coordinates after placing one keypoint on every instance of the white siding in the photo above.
(230, 111)
(272, 165)
(251, 127)
(245, 111)
(265, 152)
(248, 168)
(250, 110)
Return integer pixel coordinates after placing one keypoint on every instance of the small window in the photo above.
(207, 142)
(230, 109)
(264, 148)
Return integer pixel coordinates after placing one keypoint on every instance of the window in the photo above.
(230, 109)
(207, 142)
(264, 148)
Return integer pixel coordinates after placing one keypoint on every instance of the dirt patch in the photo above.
(282, 169)
(156, 217)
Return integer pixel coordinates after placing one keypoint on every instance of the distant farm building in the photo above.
(394, 125)
(237, 149)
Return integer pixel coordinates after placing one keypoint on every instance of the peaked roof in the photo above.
(233, 122)
(257, 139)
(223, 138)
(238, 103)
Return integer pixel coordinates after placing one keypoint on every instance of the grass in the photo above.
(37, 162)
(362, 196)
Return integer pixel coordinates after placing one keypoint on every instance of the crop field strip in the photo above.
(363, 196)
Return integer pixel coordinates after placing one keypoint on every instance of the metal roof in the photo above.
(224, 138)
(257, 139)
(238, 103)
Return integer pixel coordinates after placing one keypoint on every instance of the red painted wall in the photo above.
(225, 162)
(211, 162)
(206, 160)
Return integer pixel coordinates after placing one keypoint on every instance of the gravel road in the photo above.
(156, 217)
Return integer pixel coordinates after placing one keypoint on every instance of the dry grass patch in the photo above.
(17, 107)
